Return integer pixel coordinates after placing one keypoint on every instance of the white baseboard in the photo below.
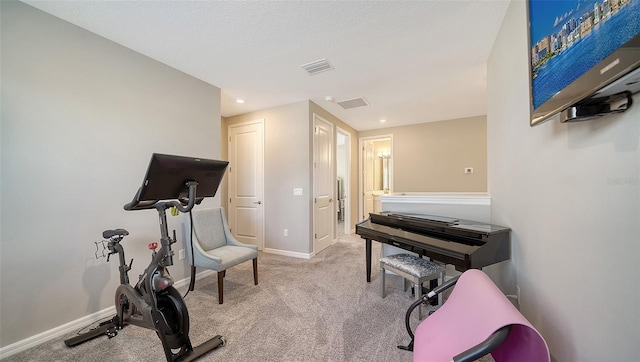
(56, 332)
(288, 253)
(77, 324)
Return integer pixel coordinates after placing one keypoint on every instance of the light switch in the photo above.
(297, 192)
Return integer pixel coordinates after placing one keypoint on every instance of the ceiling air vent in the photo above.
(353, 103)
(316, 67)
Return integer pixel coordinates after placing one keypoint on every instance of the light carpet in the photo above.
(320, 309)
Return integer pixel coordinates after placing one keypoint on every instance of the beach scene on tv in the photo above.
(570, 37)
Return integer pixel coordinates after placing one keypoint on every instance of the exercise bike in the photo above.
(153, 302)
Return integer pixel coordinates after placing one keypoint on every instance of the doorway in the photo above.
(376, 168)
(343, 170)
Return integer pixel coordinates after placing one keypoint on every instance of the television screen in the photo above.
(577, 48)
(167, 175)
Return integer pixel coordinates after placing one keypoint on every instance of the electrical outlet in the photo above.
(181, 254)
(468, 170)
(286, 232)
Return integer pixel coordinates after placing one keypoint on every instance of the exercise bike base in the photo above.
(210, 345)
(108, 329)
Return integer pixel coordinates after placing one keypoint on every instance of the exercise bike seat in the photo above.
(108, 234)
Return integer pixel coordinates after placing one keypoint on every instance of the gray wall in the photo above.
(353, 152)
(571, 194)
(80, 119)
(431, 157)
(288, 160)
(287, 166)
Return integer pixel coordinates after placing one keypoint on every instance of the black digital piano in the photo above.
(465, 244)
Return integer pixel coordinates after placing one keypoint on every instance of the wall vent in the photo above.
(316, 67)
(353, 103)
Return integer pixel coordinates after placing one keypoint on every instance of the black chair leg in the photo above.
(220, 286)
(255, 271)
(193, 278)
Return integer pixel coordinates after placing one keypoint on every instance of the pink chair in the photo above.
(477, 319)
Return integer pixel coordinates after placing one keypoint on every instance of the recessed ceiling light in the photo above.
(240, 101)
(383, 120)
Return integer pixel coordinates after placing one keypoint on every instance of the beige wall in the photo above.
(81, 117)
(431, 157)
(571, 194)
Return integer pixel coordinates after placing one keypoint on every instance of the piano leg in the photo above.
(368, 257)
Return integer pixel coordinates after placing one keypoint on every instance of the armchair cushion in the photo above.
(227, 256)
(214, 246)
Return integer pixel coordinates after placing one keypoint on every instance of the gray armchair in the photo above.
(214, 246)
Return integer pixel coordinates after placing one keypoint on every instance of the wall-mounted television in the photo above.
(584, 57)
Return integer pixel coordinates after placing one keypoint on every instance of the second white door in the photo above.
(246, 185)
(323, 183)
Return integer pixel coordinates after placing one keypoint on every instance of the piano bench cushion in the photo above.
(412, 265)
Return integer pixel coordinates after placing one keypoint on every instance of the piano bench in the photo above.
(414, 269)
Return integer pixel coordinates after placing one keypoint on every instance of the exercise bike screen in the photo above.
(167, 176)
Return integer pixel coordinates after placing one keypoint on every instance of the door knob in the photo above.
(258, 202)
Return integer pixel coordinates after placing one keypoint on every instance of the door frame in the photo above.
(361, 141)
(347, 178)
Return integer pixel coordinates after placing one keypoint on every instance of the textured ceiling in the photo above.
(413, 62)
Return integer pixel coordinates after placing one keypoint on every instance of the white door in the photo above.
(324, 183)
(246, 182)
(368, 177)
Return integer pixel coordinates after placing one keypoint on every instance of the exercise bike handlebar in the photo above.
(182, 204)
